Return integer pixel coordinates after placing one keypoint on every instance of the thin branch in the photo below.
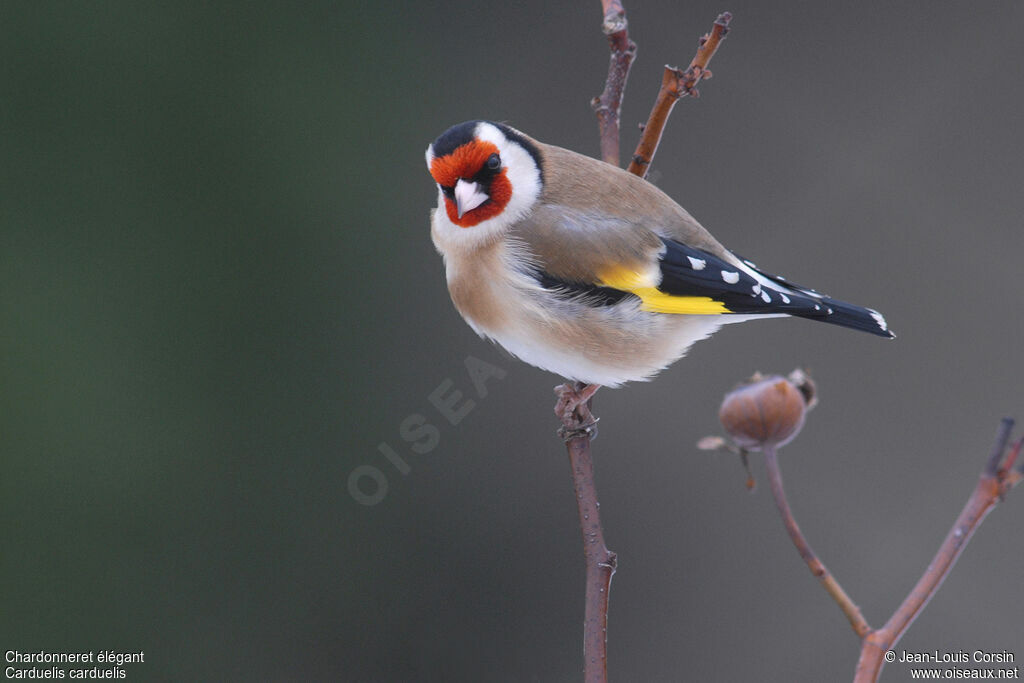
(999, 447)
(573, 408)
(608, 105)
(817, 567)
(997, 479)
(1007, 467)
(676, 83)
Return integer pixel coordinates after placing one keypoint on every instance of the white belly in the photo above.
(605, 345)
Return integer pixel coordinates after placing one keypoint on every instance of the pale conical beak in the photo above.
(468, 196)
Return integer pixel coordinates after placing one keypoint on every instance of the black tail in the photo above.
(841, 313)
(690, 272)
(807, 303)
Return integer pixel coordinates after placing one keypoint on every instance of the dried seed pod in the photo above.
(802, 381)
(769, 411)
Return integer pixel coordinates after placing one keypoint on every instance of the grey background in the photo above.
(219, 296)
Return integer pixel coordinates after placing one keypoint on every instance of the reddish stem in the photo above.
(676, 83)
(608, 104)
(600, 562)
(817, 567)
(995, 482)
(578, 429)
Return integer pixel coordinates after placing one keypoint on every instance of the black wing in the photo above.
(690, 272)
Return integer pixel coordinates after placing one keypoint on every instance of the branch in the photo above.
(817, 567)
(676, 83)
(608, 105)
(768, 412)
(997, 479)
(573, 408)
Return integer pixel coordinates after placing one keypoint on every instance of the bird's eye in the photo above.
(448, 191)
(494, 162)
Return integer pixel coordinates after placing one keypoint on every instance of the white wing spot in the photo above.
(730, 276)
(785, 299)
(878, 319)
(829, 311)
(767, 299)
(757, 288)
(697, 263)
(817, 307)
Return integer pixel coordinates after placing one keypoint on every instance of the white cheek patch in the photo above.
(523, 175)
(520, 169)
(491, 133)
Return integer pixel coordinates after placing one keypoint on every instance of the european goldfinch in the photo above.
(580, 268)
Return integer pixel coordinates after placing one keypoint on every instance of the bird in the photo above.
(585, 270)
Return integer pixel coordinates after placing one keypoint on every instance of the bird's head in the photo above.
(486, 173)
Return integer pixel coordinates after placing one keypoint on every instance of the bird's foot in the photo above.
(573, 409)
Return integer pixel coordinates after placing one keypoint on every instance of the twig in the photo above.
(608, 105)
(997, 478)
(578, 429)
(676, 83)
(757, 413)
(573, 406)
(817, 567)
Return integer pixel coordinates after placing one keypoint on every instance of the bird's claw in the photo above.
(588, 430)
(573, 410)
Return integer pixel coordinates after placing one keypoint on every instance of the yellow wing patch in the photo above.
(659, 302)
(655, 301)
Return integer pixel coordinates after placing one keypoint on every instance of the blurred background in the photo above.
(219, 298)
